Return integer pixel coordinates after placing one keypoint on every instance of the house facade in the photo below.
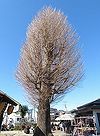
(15, 117)
(90, 109)
(7, 104)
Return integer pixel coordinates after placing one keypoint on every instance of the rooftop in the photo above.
(5, 98)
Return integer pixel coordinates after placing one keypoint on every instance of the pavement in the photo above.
(14, 133)
(60, 133)
(21, 133)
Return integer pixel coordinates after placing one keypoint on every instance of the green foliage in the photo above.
(23, 110)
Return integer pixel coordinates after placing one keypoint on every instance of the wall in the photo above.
(97, 119)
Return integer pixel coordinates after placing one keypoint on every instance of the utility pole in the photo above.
(66, 109)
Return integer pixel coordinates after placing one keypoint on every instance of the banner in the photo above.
(10, 109)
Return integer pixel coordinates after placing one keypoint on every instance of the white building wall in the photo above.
(96, 120)
(16, 118)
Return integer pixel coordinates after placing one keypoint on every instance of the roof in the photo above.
(65, 116)
(5, 98)
(87, 109)
(92, 104)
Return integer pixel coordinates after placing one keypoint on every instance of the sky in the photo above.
(84, 16)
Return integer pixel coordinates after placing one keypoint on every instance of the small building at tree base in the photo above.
(90, 109)
(6, 104)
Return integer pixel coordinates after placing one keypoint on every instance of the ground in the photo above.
(19, 133)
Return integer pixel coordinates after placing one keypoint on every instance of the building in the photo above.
(31, 115)
(54, 113)
(16, 119)
(90, 109)
(7, 105)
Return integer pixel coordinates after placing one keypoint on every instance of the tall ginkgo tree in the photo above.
(50, 63)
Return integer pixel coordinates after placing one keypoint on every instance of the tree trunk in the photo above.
(43, 121)
(48, 119)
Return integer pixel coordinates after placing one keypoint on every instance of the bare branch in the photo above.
(50, 63)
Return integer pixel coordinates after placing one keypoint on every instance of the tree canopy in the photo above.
(50, 57)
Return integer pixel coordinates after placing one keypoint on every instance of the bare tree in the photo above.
(50, 63)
